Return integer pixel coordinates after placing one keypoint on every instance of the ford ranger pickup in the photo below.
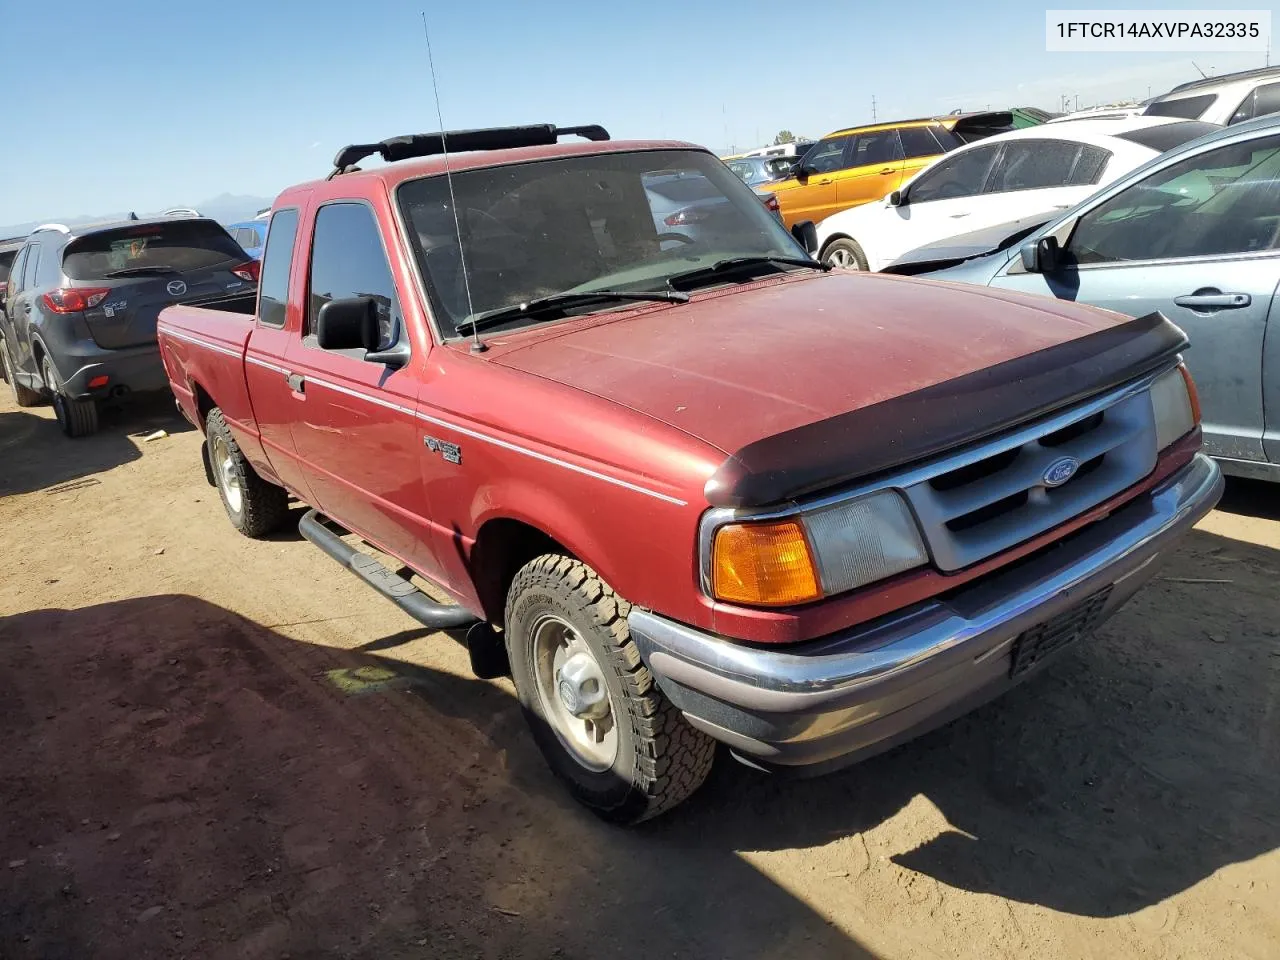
(684, 483)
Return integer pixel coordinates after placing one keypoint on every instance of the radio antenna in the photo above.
(477, 346)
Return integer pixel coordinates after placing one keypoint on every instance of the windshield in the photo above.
(613, 221)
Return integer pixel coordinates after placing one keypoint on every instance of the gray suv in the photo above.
(79, 318)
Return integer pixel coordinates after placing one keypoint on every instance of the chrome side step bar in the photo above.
(438, 616)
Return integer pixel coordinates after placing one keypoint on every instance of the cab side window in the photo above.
(29, 271)
(872, 149)
(919, 142)
(1220, 202)
(827, 156)
(348, 260)
(15, 272)
(962, 175)
(277, 262)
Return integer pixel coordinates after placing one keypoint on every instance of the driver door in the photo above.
(1198, 241)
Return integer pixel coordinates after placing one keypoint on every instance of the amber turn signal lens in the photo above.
(1192, 395)
(763, 564)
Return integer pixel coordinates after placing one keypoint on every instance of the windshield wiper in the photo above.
(141, 271)
(713, 273)
(559, 302)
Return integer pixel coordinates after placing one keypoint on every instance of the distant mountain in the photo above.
(225, 208)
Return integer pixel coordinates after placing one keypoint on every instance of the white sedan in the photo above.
(1036, 171)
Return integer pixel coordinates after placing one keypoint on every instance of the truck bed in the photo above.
(206, 345)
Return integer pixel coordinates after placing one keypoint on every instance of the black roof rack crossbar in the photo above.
(461, 141)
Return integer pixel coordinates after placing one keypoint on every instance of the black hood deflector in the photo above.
(916, 426)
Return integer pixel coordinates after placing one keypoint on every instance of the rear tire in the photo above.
(77, 418)
(844, 255)
(639, 757)
(22, 396)
(254, 506)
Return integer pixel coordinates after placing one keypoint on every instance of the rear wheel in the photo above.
(22, 396)
(77, 418)
(254, 506)
(845, 255)
(605, 728)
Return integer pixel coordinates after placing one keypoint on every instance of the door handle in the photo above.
(957, 216)
(297, 382)
(1212, 300)
(823, 183)
(888, 170)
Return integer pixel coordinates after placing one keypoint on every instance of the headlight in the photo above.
(823, 551)
(1175, 405)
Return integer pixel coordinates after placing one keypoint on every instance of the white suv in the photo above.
(1230, 98)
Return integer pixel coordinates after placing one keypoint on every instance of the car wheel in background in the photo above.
(22, 396)
(604, 727)
(844, 255)
(254, 506)
(77, 418)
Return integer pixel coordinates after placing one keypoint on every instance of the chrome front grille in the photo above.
(985, 499)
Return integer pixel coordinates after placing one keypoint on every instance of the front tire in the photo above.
(254, 506)
(77, 418)
(604, 727)
(22, 396)
(844, 254)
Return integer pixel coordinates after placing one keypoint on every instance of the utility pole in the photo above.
(873, 108)
(1077, 103)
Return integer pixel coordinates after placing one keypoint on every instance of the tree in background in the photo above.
(784, 136)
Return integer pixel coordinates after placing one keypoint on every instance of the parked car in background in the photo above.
(710, 493)
(1027, 173)
(79, 324)
(861, 164)
(251, 235)
(1228, 99)
(1194, 234)
(754, 171)
(8, 250)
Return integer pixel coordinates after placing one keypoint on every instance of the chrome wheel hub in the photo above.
(842, 259)
(224, 469)
(573, 694)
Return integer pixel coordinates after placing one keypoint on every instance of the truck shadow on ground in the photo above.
(1134, 767)
(34, 454)
(179, 781)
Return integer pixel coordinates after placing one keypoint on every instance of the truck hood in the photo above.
(773, 373)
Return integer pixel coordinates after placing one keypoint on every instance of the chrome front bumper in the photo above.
(831, 701)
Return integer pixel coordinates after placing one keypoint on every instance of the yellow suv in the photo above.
(860, 164)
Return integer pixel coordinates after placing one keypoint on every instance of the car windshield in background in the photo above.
(1169, 135)
(614, 221)
(1188, 108)
(179, 245)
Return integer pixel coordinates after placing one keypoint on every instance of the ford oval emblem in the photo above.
(1060, 471)
(176, 288)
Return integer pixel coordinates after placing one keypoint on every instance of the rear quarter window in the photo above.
(1188, 108)
(182, 245)
(1169, 135)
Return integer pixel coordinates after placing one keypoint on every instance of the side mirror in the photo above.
(806, 235)
(348, 324)
(1040, 256)
(896, 199)
(801, 172)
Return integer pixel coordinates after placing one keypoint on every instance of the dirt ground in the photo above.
(222, 748)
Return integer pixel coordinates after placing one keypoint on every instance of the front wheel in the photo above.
(77, 418)
(254, 507)
(605, 728)
(845, 255)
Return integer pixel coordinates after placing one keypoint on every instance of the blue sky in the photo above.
(140, 104)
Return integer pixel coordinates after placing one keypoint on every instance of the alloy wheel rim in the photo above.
(842, 259)
(224, 469)
(573, 694)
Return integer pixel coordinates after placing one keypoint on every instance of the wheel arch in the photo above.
(502, 546)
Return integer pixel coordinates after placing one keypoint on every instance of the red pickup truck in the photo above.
(690, 484)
